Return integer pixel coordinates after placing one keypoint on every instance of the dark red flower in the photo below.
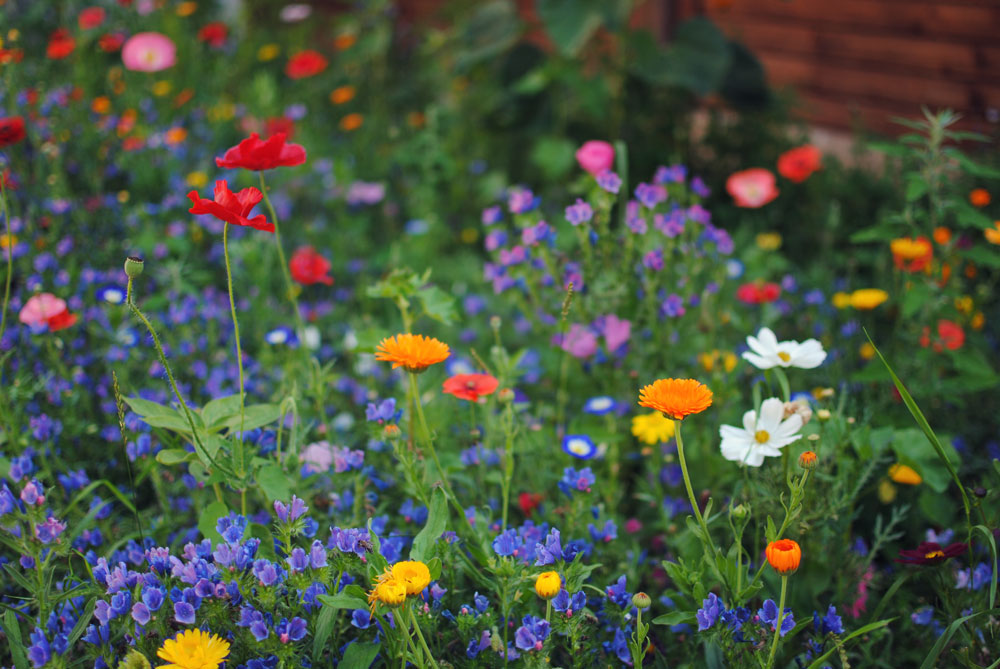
(231, 207)
(11, 130)
(214, 34)
(470, 386)
(61, 44)
(529, 501)
(309, 267)
(253, 153)
(111, 42)
(91, 17)
(929, 552)
(799, 163)
(305, 64)
(758, 292)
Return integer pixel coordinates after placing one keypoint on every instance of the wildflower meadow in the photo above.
(334, 335)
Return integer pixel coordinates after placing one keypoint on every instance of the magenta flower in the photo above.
(149, 52)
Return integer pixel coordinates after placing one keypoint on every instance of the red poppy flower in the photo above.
(929, 552)
(799, 163)
(62, 320)
(91, 17)
(281, 124)
(529, 501)
(61, 44)
(309, 267)
(470, 386)
(214, 34)
(11, 130)
(111, 42)
(253, 153)
(758, 293)
(231, 207)
(305, 64)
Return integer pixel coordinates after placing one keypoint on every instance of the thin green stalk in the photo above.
(238, 443)
(289, 286)
(423, 642)
(777, 626)
(10, 257)
(706, 540)
(508, 456)
(403, 625)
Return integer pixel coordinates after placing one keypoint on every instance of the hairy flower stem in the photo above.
(423, 642)
(239, 363)
(706, 539)
(405, 626)
(777, 625)
(289, 286)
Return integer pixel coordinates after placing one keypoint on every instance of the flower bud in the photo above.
(133, 266)
(548, 584)
(807, 460)
(135, 660)
(391, 431)
(740, 511)
(784, 556)
(641, 600)
(505, 396)
(799, 408)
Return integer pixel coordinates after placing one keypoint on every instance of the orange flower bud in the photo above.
(807, 460)
(784, 556)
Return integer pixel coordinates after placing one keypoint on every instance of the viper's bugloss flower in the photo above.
(768, 614)
(470, 386)
(233, 208)
(784, 556)
(414, 353)
(253, 153)
(709, 612)
(532, 633)
(929, 552)
(676, 398)
(799, 163)
(193, 649)
(548, 584)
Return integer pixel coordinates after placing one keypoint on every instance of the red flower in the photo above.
(111, 42)
(214, 34)
(929, 552)
(529, 501)
(231, 207)
(758, 293)
(799, 163)
(951, 336)
(309, 267)
(305, 64)
(253, 153)
(281, 124)
(470, 386)
(61, 321)
(91, 17)
(11, 130)
(61, 44)
(8, 56)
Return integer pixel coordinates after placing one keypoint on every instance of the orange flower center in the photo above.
(934, 554)
(762, 436)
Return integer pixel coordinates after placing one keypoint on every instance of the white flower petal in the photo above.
(771, 412)
(758, 361)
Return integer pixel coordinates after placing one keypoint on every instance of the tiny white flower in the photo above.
(760, 436)
(767, 352)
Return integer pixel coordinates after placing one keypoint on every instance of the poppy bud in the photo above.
(807, 460)
(133, 266)
(391, 431)
(784, 556)
(505, 396)
(641, 600)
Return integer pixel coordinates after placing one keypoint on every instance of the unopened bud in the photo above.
(823, 414)
(807, 460)
(641, 600)
(979, 492)
(135, 660)
(740, 511)
(800, 409)
(133, 266)
(391, 431)
(495, 322)
(505, 396)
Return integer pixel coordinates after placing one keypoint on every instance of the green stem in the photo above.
(289, 286)
(706, 539)
(10, 257)
(403, 625)
(777, 626)
(508, 456)
(236, 328)
(423, 642)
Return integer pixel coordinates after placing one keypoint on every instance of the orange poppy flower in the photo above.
(784, 556)
(676, 398)
(414, 353)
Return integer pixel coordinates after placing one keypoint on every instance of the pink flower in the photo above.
(149, 52)
(596, 156)
(616, 332)
(317, 457)
(860, 604)
(40, 308)
(752, 188)
(580, 341)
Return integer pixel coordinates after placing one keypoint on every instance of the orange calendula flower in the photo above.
(942, 235)
(979, 197)
(387, 590)
(807, 460)
(412, 574)
(993, 234)
(911, 255)
(351, 122)
(901, 473)
(548, 584)
(784, 556)
(414, 353)
(676, 398)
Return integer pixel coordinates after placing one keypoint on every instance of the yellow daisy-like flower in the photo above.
(769, 241)
(414, 353)
(652, 428)
(413, 574)
(904, 474)
(548, 584)
(196, 179)
(868, 298)
(193, 649)
(387, 590)
(676, 398)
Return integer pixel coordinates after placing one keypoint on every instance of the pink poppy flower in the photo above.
(149, 52)
(752, 188)
(596, 156)
(46, 309)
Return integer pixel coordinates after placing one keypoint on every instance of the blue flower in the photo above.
(282, 335)
(184, 613)
(769, 614)
(830, 623)
(579, 446)
(507, 543)
(532, 633)
(709, 612)
(579, 212)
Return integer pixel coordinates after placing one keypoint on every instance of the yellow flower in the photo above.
(548, 584)
(388, 591)
(197, 180)
(193, 649)
(993, 234)
(652, 428)
(868, 298)
(268, 52)
(900, 473)
(841, 300)
(161, 88)
(187, 8)
(413, 574)
(769, 241)
(6, 241)
(867, 351)
(886, 491)
(964, 304)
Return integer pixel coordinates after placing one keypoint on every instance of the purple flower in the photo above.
(568, 605)
(769, 615)
(579, 212)
(231, 527)
(266, 572)
(291, 630)
(674, 174)
(50, 530)
(521, 200)
(141, 613)
(184, 613)
(830, 623)
(609, 181)
(699, 188)
(673, 306)
(507, 543)
(650, 195)
(635, 222)
(317, 555)
(32, 493)
(292, 512)
(709, 612)
(580, 341)
(492, 215)
(532, 633)
(550, 551)
(382, 411)
(653, 260)
(671, 225)
(618, 593)
(576, 480)
(616, 332)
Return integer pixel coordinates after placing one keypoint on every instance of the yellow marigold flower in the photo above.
(413, 574)
(905, 475)
(414, 353)
(268, 52)
(342, 94)
(868, 298)
(548, 584)
(769, 241)
(676, 398)
(841, 300)
(187, 8)
(193, 649)
(993, 234)
(652, 428)
(388, 591)
(351, 122)
(784, 555)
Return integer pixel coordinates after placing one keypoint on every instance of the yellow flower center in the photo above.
(762, 436)
(784, 356)
(934, 554)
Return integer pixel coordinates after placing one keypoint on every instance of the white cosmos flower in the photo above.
(760, 436)
(767, 352)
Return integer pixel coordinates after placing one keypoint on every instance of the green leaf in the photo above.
(438, 304)
(174, 456)
(256, 415)
(570, 23)
(146, 408)
(771, 533)
(993, 550)
(434, 567)
(359, 655)
(208, 518)
(437, 522)
(985, 256)
(916, 297)
(942, 641)
(324, 627)
(971, 217)
(343, 600)
(214, 411)
(175, 422)
(274, 482)
(971, 166)
(675, 618)
(16, 645)
(916, 188)
(870, 627)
